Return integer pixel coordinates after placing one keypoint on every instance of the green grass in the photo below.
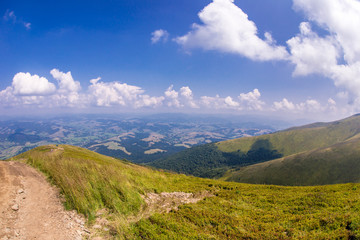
(90, 182)
(339, 163)
(299, 153)
(242, 211)
(300, 139)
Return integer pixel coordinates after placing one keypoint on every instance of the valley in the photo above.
(138, 139)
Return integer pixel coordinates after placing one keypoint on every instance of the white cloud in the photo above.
(181, 99)
(284, 105)
(115, 93)
(68, 92)
(218, 102)
(65, 80)
(172, 97)
(188, 97)
(27, 89)
(148, 101)
(252, 100)
(337, 55)
(309, 105)
(340, 17)
(159, 35)
(226, 28)
(10, 16)
(43, 94)
(230, 102)
(27, 84)
(311, 53)
(331, 101)
(312, 105)
(332, 105)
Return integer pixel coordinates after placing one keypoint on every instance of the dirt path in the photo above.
(30, 207)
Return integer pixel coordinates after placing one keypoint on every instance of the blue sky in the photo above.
(297, 58)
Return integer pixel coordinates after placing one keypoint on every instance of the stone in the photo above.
(15, 207)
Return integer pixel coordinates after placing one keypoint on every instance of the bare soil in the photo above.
(30, 208)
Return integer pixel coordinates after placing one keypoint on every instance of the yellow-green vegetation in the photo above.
(339, 163)
(296, 140)
(91, 182)
(315, 154)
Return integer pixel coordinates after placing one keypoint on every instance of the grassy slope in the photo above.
(90, 182)
(339, 163)
(213, 160)
(300, 139)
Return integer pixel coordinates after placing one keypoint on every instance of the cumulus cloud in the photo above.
(27, 84)
(65, 80)
(27, 89)
(159, 35)
(180, 99)
(172, 97)
(252, 100)
(230, 102)
(148, 101)
(33, 90)
(10, 16)
(336, 55)
(115, 93)
(68, 91)
(311, 53)
(284, 105)
(218, 102)
(309, 105)
(340, 18)
(226, 28)
(188, 97)
(247, 101)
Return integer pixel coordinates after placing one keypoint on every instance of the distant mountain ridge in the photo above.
(137, 138)
(289, 157)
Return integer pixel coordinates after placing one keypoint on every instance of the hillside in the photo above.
(339, 163)
(299, 139)
(241, 152)
(126, 201)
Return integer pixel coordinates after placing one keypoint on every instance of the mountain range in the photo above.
(318, 153)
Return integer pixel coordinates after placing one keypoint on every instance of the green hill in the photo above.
(213, 160)
(339, 163)
(299, 139)
(115, 193)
